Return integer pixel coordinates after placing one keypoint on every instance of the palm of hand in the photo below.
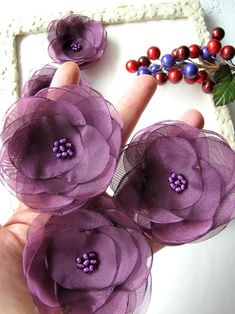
(14, 294)
(15, 297)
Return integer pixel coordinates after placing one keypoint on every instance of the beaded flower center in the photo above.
(63, 149)
(75, 46)
(88, 263)
(177, 182)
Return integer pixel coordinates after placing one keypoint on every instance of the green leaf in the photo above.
(222, 74)
(224, 91)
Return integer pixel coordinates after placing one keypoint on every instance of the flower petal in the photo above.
(67, 246)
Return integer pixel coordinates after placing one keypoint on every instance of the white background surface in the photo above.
(190, 279)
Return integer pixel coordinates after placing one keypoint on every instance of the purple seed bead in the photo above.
(64, 154)
(91, 268)
(55, 149)
(68, 145)
(86, 262)
(79, 260)
(172, 186)
(86, 270)
(58, 155)
(180, 177)
(85, 256)
(178, 189)
(171, 180)
(182, 186)
(62, 148)
(93, 261)
(80, 266)
(173, 175)
(56, 143)
(63, 141)
(70, 152)
(177, 182)
(183, 181)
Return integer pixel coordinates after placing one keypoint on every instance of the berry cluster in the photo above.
(179, 64)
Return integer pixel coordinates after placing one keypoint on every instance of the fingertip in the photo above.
(134, 101)
(67, 73)
(194, 118)
(148, 80)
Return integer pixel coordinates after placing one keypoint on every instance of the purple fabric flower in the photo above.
(42, 79)
(76, 38)
(177, 182)
(60, 145)
(93, 260)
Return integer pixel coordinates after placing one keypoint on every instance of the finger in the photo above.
(134, 101)
(67, 73)
(193, 117)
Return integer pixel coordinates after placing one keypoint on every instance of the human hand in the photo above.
(14, 294)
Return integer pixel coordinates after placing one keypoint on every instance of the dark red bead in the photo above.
(194, 51)
(190, 80)
(174, 53)
(161, 78)
(175, 76)
(202, 76)
(214, 46)
(153, 53)
(132, 66)
(208, 86)
(227, 52)
(217, 33)
(144, 61)
(183, 53)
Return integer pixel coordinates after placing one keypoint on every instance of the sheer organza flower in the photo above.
(60, 145)
(42, 79)
(92, 260)
(177, 182)
(76, 38)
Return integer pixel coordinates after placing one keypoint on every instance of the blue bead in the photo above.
(190, 70)
(154, 68)
(168, 61)
(204, 54)
(181, 62)
(143, 70)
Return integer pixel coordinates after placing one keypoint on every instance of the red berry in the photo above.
(183, 53)
(201, 76)
(190, 80)
(153, 53)
(207, 86)
(132, 66)
(227, 52)
(174, 53)
(161, 78)
(214, 46)
(144, 61)
(194, 51)
(217, 33)
(175, 76)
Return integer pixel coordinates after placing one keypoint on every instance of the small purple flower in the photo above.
(76, 38)
(42, 79)
(93, 260)
(59, 146)
(177, 182)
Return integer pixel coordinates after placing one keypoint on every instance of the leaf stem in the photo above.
(208, 66)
